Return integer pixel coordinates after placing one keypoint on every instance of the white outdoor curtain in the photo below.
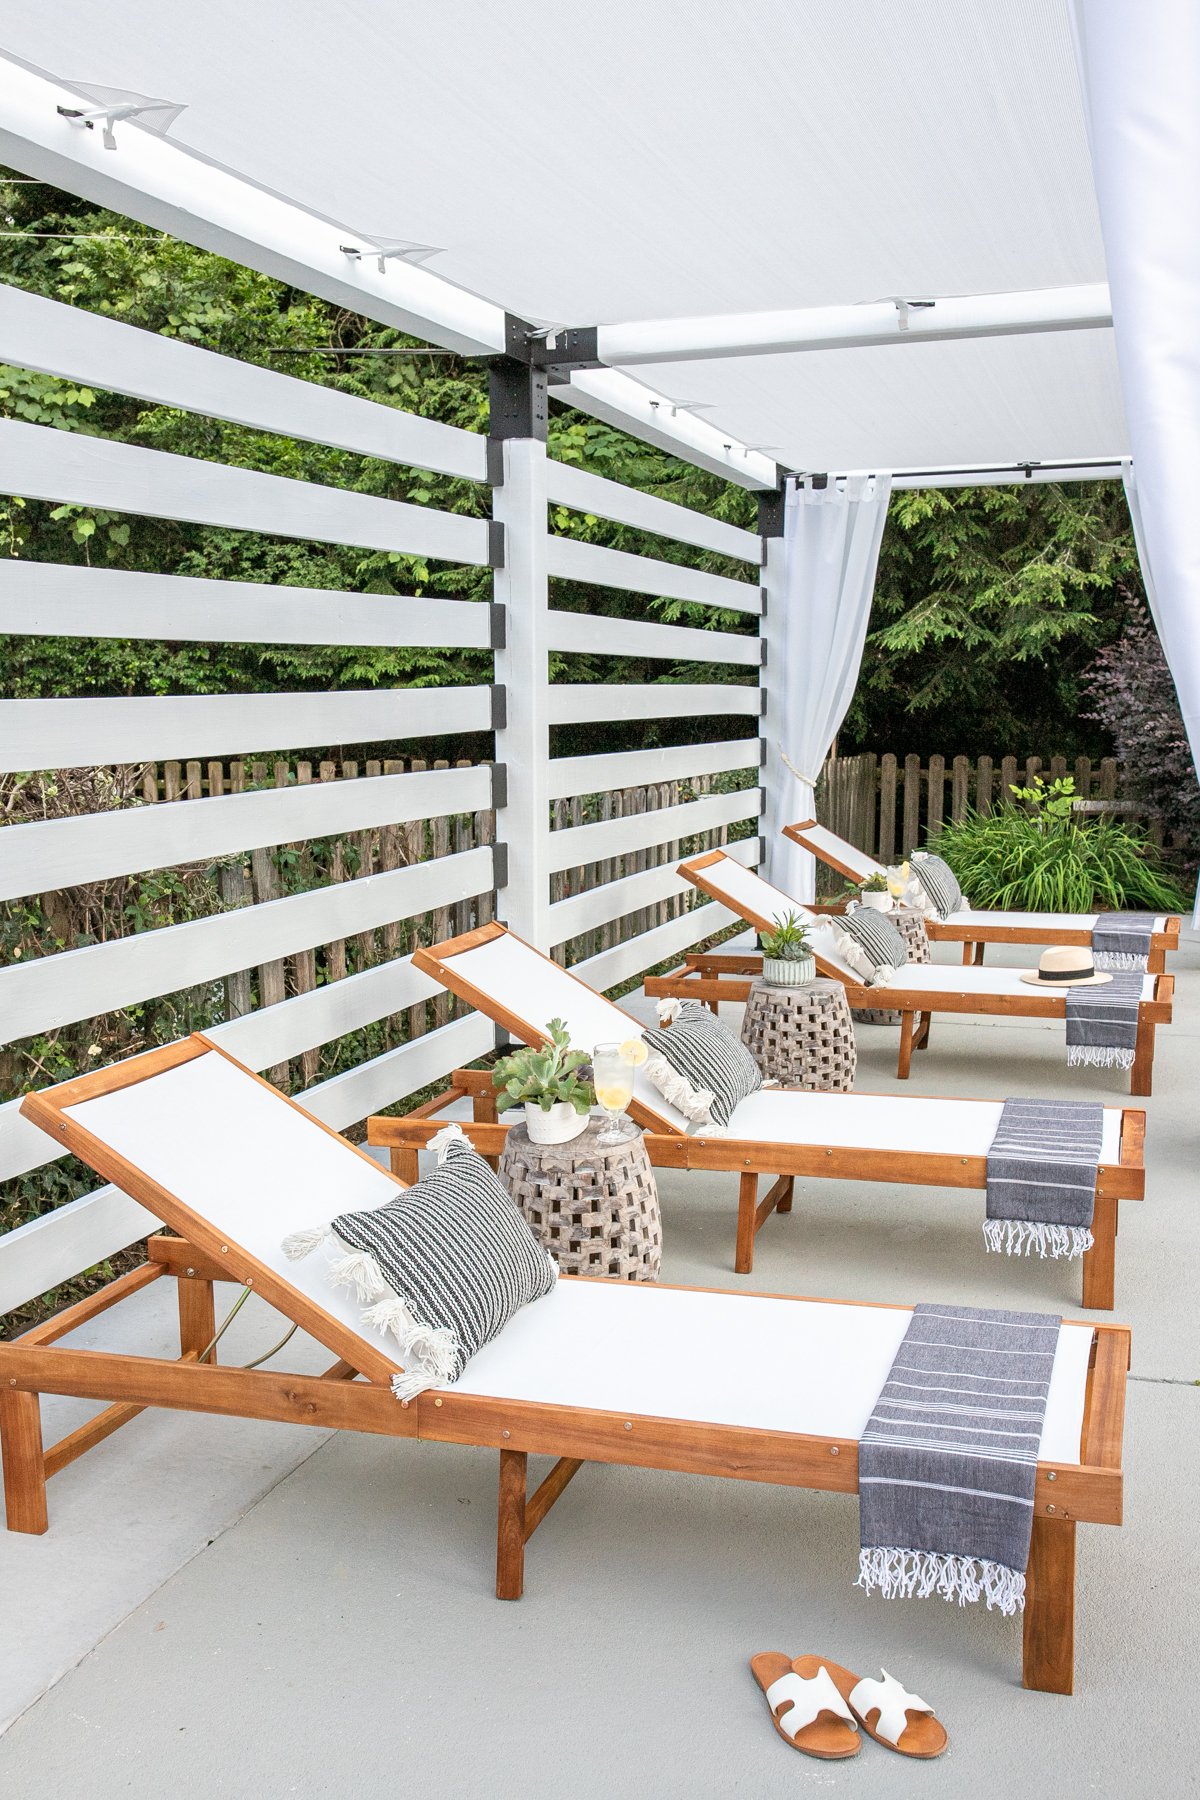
(1140, 68)
(831, 552)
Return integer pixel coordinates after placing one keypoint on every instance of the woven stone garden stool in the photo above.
(911, 926)
(594, 1207)
(802, 1036)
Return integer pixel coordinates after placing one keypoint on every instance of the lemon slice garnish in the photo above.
(635, 1051)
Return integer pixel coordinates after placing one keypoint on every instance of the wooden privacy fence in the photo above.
(888, 805)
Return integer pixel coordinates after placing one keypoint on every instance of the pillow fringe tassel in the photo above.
(1035, 1237)
(302, 1243)
(915, 1574)
(693, 1103)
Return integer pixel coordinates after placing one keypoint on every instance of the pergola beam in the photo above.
(900, 320)
(173, 189)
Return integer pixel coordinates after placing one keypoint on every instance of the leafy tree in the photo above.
(990, 602)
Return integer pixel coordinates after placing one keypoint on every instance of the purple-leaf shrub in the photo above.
(1134, 698)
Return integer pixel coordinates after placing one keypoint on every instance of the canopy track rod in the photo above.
(897, 320)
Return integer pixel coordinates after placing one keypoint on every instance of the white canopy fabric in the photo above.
(591, 165)
(831, 552)
(1141, 71)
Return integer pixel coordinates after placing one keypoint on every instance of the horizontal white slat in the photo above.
(104, 353)
(43, 463)
(574, 560)
(58, 600)
(614, 966)
(259, 1039)
(572, 702)
(273, 1033)
(58, 853)
(579, 844)
(635, 768)
(70, 734)
(50, 991)
(596, 635)
(614, 899)
(38, 1256)
(587, 493)
(366, 1089)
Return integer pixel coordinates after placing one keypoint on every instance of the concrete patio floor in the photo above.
(227, 1608)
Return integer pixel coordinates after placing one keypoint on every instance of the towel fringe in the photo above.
(909, 1574)
(1119, 959)
(1029, 1237)
(668, 1011)
(1099, 1056)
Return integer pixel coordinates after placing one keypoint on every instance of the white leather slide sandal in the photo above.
(807, 1709)
(888, 1713)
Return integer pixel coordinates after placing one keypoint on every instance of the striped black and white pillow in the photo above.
(444, 1265)
(939, 882)
(698, 1064)
(870, 944)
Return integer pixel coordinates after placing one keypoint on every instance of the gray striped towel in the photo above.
(1102, 1022)
(1122, 940)
(1041, 1177)
(948, 1459)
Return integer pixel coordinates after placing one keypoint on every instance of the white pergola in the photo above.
(863, 248)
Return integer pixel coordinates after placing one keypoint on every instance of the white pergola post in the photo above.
(522, 668)
(774, 778)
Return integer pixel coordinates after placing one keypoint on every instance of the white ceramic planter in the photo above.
(877, 902)
(789, 971)
(558, 1126)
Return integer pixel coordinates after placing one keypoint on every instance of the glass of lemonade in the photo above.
(612, 1075)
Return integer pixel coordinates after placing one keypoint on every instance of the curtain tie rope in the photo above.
(809, 780)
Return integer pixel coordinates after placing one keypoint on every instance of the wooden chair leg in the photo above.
(743, 1260)
(1141, 1075)
(785, 1204)
(1049, 1641)
(405, 1166)
(484, 1112)
(24, 1461)
(510, 1525)
(923, 1031)
(1156, 962)
(980, 950)
(1100, 1262)
(906, 1046)
(968, 955)
(197, 1316)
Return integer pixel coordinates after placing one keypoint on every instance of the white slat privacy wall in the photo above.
(585, 845)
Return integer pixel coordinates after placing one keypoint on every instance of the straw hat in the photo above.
(1065, 966)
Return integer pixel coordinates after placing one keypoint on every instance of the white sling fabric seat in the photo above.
(254, 1167)
(847, 859)
(760, 902)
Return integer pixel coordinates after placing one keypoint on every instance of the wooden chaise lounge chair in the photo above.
(916, 993)
(780, 1133)
(974, 928)
(597, 1371)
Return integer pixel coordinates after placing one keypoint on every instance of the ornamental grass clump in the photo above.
(1037, 855)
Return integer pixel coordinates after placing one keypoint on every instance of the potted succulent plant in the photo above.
(787, 958)
(874, 892)
(552, 1082)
